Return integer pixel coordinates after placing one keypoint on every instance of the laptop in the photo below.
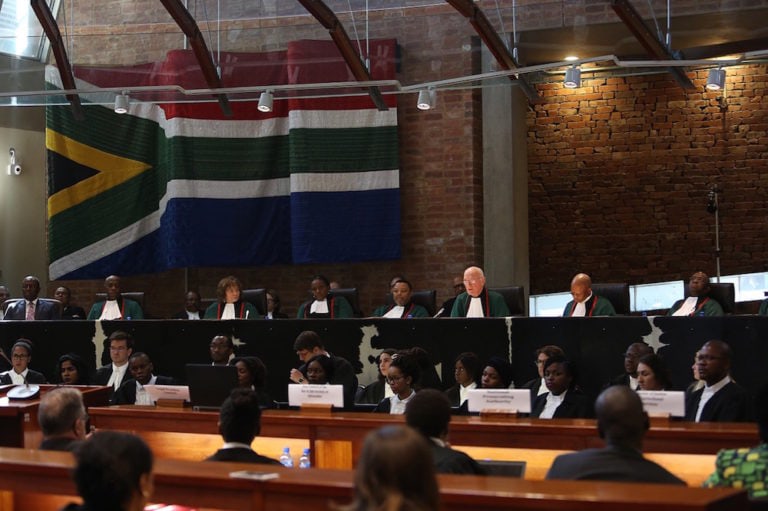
(210, 385)
(503, 468)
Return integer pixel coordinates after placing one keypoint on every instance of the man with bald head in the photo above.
(622, 423)
(115, 306)
(477, 301)
(31, 307)
(721, 399)
(585, 303)
(698, 303)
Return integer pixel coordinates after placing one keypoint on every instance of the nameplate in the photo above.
(316, 394)
(500, 400)
(663, 402)
(167, 392)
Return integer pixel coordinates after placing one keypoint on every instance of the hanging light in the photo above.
(716, 79)
(122, 102)
(572, 78)
(265, 101)
(427, 99)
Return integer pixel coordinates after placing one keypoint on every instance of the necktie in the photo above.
(30, 311)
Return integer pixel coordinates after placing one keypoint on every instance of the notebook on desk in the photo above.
(210, 385)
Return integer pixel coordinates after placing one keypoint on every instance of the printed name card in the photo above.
(177, 392)
(316, 394)
(503, 400)
(663, 402)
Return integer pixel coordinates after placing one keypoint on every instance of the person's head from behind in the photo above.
(621, 420)
(319, 370)
(72, 370)
(114, 472)
(466, 369)
(120, 347)
(307, 345)
(761, 411)
(497, 374)
(633, 354)
(240, 417)
(652, 373)
(62, 413)
(429, 413)
(251, 372)
(395, 472)
(544, 353)
(559, 375)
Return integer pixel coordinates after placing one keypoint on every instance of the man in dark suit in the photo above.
(429, 413)
(132, 392)
(20, 373)
(64, 295)
(622, 423)
(120, 350)
(192, 309)
(239, 424)
(31, 307)
(62, 419)
(721, 399)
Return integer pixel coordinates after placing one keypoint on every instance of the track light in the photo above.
(427, 99)
(122, 102)
(716, 79)
(265, 101)
(572, 78)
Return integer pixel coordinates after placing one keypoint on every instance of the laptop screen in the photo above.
(210, 385)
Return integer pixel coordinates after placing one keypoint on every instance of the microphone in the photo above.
(712, 200)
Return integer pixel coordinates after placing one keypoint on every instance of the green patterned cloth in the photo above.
(745, 468)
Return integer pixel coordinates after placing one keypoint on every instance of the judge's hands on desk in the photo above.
(297, 377)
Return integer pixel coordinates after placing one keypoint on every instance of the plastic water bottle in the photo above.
(285, 458)
(304, 460)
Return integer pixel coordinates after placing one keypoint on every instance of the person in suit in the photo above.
(323, 306)
(585, 303)
(31, 307)
(622, 423)
(62, 419)
(746, 468)
(721, 399)
(132, 392)
(429, 413)
(230, 304)
(239, 424)
(538, 386)
(447, 306)
(467, 372)
(115, 306)
(402, 306)
(72, 370)
(402, 376)
(192, 308)
(477, 301)
(120, 350)
(68, 311)
(698, 303)
(564, 400)
(631, 358)
(20, 373)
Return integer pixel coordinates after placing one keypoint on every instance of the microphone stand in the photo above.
(712, 207)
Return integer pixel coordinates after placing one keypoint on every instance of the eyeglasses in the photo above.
(19, 357)
(393, 379)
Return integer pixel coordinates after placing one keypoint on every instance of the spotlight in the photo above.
(572, 78)
(122, 102)
(427, 99)
(265, 101)
(716, 79)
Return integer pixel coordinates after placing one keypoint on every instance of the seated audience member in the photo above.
(467, 372)
(428, 377)
(115, 306)
(69, 311)
(721, 399)
(585, 303)
(564, 400)
(497, 374)
(62, 419)
(4, 295)
(402, 375)
(622, 423)
(273, 306)
(402, 306)
(699, 303)
(229, 304)
(239, 424)
(120, 350)
(132, 392)
(319, 370)
(252, 375)
(447, 306)
(31, 307)
(20, 373)
(746, 468)
(538, 386)
(697, 382)
(395, 472)
(308, 345)
(477, 301)
(192, 309)
(631, 356)
(72, 370)
(652, 373)
(429, 413)
(378, 390)
(323, 306)
(222, 350)
(113, 472)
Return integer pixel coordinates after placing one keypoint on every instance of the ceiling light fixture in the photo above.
(572, 78)
(427, 99)
(265, 101)
(122, 102)
(716, 79)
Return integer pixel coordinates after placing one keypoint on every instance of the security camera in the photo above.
(16, 169)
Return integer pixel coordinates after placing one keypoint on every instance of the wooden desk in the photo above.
(31, 477)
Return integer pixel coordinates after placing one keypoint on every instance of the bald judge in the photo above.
(477, 301)
(585, 303)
